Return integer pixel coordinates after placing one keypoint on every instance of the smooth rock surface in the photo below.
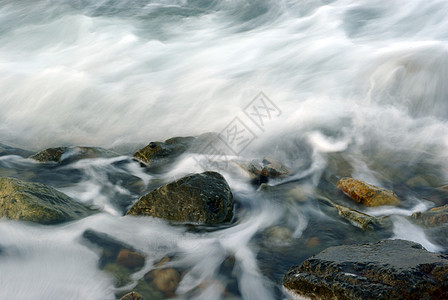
(389, 269)
(35, 202)
(197, 199)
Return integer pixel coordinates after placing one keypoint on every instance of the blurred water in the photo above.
(358, 83)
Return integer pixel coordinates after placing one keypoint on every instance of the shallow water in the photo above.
(358, 89)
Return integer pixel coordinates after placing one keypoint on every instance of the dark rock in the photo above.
(367, 194)
(160, 154)
(390, 269)
(114, 251)
(71, 154)
(132, 296)
(8, 150)
(35, 202)
(261, 172)
(117, 258)
(434, 217)
(197, 199)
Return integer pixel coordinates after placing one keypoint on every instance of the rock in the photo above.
(114, 252)
(367, 194)
(130, 259)
(434, 217)
(160, 153)
(165, 280)
(196, 199)
(35, 202)
(8, 150)
(261, 172)
(71, 154)
(357, 218)
(132, 296)
(120, 274)
(389, 269)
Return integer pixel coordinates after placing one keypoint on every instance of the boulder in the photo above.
(71, 154)
(367, 194)
(261, 172)
(389, 269)
(35, 202)
(434, 217)
(196, 199)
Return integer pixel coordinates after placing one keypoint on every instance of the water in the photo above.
(361, 86)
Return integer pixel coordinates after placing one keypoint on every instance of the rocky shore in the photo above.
(362, 262)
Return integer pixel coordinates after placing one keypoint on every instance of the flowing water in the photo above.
(359, 89)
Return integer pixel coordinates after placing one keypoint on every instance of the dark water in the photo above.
(359, 89)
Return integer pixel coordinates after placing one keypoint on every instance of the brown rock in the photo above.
(130, 259)
(165, 280)
(434, 217)
(131, 296)
(367, 194)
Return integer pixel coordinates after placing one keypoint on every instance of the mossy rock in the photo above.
(71, 154)
(196, 199)
(35, 202)
(367, 194)
(121, 275)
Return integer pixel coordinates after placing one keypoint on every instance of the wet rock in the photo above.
(197, 199)
(35, 202)
(261, 172)
(163, 152)
(434, 217)
(114, 251)
(132, 296)
(390, 269)
(357, 218)
(159, 154)
(8, 150)
(117, 258)
(130, 259)
(367, 194)
(165, 280)
(278, 236)
(71, 154)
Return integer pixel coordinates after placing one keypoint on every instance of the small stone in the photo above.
(367, 194)
(132, 296)
(129, 259)
(165, 280)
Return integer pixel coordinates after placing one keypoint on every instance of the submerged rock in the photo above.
(117, 258)
(35, 202)
(132, 296)
(198, 199)
(71, 154)
(261, 172)
(357, 218)
(434, 217)
(390, 269)
(8, 150)
(114, 251)
(367, 194)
